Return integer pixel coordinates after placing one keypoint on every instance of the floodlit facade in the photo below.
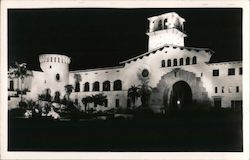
(179, 76)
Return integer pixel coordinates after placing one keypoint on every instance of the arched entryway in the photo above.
(179, 89)
(180, 96)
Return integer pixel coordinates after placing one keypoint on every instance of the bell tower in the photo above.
(165, 29)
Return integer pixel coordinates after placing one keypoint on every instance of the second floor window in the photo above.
(231, 71)
(106, 86)
(117, 85)
(96, 86)
(215, 72)
(187, 61)
(181, 61)
(175, 62)
(86, 86)
(163, 63)
(194, 60)
(169, 63)
(240, 71)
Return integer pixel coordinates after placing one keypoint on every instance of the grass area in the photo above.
(199, 132)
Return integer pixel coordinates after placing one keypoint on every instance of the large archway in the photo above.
(179, 85)
(180, 96)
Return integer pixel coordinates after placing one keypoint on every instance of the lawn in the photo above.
(199, 132)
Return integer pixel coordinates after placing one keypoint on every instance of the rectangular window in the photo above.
(117, 103)
(215, 72)
(231, 71)
(11, 85)
(237, 89)
(215, 90)
(240, 71)
(229, 89)
(222, 89)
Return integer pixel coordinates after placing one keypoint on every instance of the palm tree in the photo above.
(20, 72)
(47, 95)
(86, 100)
(99, 99)
(145, 91)
(133, 93)
(68, 89)
(57, 97)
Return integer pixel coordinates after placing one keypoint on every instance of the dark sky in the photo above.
(104, 37)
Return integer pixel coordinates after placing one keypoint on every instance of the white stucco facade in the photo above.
(166, 63)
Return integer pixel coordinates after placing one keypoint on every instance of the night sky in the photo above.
(104, 37)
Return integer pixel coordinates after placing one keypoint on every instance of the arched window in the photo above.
(54, 59)
(96, 86)
(47, 59)
(117, 85)
(162, 63)
(175, 62)
(51, 59)
(181, 61)
(159, 25)
(86, 86)
(169, 62)
(194, 60)
(58, 59)
(187, 61)
(165, 25)
(106, 86)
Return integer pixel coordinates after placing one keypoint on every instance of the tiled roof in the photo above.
(166, 46)
(97, 69)
(221, 63)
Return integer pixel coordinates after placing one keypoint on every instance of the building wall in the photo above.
(229, 82)
(101, 75)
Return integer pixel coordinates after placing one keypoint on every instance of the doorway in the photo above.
(181, 96)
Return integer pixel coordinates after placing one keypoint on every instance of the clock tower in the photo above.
(165, 29)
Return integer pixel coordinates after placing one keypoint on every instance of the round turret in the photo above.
(56, 71)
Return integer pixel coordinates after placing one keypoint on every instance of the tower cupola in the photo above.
(165, 29)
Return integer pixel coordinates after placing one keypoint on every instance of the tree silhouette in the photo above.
(68, 89)
(133, 93)
(86, 100)
(99, 99)
(19, 72)
(145, 91)
(57, 97)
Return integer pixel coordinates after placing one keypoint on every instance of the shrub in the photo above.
(23, 105)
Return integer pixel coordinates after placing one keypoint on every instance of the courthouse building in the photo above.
(179, 75)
